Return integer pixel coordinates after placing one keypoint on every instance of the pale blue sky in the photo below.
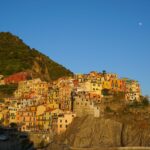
(86, 35)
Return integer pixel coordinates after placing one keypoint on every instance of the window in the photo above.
(60, 120)
(66, 126)
(66, 121)
(77, 103)
(60, 126)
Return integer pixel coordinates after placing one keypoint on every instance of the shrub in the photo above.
(8, 90)
(108, 109)
(145, 101)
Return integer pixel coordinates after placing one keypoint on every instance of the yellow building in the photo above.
(40, 117)
(40, 122)
(96, 87)
(47, 116)
(35, 85)
(12, 115)
(6, 117)
(64, 121)
(40, 110)
(53, 105)
(106, 85)
(1, 116)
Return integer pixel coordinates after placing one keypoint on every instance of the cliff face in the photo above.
(91, 132)
(88, 132)
(16, 56)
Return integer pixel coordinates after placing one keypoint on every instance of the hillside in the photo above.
(16, 56)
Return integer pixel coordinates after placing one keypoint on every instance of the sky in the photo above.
(86, 35)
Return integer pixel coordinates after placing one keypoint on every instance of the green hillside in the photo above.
(16, 56)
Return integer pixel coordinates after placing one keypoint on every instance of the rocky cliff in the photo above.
(89, 132)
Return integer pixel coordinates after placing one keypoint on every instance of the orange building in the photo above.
(26, 118)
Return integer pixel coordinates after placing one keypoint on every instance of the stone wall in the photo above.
(84, 107)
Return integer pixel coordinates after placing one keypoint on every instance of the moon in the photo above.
(140, 24)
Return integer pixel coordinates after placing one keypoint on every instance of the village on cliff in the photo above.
(38, 105)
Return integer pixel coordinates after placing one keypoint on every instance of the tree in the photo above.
(104, 72)
(145, 101)
(105, 92)
(108, 109)
(13, 125)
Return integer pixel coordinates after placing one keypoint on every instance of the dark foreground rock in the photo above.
(14, 140)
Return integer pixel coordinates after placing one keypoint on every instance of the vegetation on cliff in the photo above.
(7, 90)
(16, 56)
